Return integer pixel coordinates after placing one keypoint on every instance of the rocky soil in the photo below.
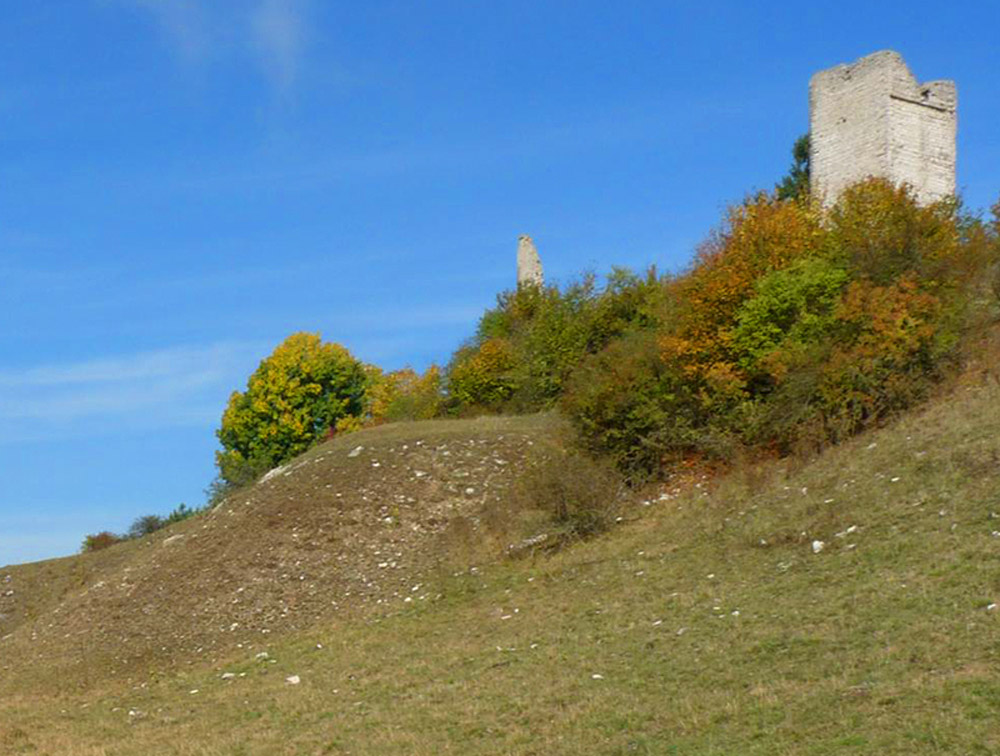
(359, 523)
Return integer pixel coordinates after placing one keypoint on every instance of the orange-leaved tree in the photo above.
(760, 236)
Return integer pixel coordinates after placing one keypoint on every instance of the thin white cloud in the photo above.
(278, 34)
(143, 366)
(272, 31)
(155, 389)
(185, 24)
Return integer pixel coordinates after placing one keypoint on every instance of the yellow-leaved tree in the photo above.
(294, 398)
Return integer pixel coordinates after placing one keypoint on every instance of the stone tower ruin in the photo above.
(529, 264)
(872, 118)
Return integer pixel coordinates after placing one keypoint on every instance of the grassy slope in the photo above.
(704, 625)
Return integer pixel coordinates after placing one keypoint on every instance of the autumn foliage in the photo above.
(404, 395)
(527, 348)
(294, 398)
(795, 326)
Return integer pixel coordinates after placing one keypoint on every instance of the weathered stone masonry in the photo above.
(872, 118)
(529, 264)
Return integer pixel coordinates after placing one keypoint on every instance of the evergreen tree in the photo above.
(796, 183)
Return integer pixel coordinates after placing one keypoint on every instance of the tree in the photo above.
(145, 525)
(293, 399)
(796, 183)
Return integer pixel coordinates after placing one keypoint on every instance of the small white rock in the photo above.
(355, 451)
(817, 546)
(293, 680)
(596, 677)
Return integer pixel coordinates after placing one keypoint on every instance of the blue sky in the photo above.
(183, 183)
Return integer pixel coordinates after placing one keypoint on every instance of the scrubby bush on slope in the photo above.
(141, 527)
(794, 326)
(403, 395)
(99, 541)
(526, 348)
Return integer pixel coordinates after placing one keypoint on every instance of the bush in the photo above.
(100, 541)
(794, 327)
(142, 526)
(881, 233)
(145, 525)
(293, 399)
(149, 524)
(180, 513)
(628, 403)
(791, 310)
(405, 395)
(482, 377)
(526, 349)
(579, 494)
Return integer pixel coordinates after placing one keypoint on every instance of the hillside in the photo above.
(846, 604)
(357, 523)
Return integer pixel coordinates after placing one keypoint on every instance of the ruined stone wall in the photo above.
(529, 264)
(872, 118)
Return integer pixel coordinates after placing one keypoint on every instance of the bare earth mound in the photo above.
(354, 524)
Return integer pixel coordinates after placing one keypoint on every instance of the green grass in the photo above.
(713, 626)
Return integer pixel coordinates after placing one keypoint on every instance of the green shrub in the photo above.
(141, 526)
(180, 513)
(628, 403)
(791, 310)
(881, 233)
(294, 399)
(579, 494)
(527, 347)
(145, 525)
(482, 377)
